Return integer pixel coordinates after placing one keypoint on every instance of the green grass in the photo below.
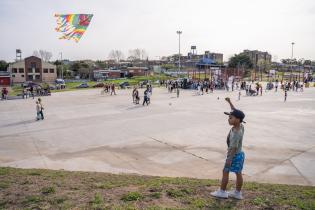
(50, 189)
(17, 89)
(131, 196)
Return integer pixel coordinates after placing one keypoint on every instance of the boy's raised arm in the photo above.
(229, 101)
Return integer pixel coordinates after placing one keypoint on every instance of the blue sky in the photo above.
(225, 26)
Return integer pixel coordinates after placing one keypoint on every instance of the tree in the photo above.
(75, 66)
(3, 65)
(36, 53)
(137, 54)
(43, 54)
(240, 60)
(168, 66)
(116, 55)
(101, 64)
(307, 62)
(289, 61)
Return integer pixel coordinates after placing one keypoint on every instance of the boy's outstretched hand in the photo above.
(228, 99)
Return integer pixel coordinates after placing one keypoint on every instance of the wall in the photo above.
(33, 71)
(48, 77)
(17, 77)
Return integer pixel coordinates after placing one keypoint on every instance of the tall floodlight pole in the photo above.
(179, 33)
(61, 65)
(292, 43)
(292, 50)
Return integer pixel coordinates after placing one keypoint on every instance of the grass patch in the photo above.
(34, 173)
(132, 196)
(46, 189)
(4, 185)
(31, 199)
(198, 203)
(156, 195)
(176, 193)
(97, 199)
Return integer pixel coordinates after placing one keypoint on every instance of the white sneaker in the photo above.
(235, 194)
(220, 194)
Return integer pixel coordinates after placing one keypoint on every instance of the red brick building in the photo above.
(32, 69)
(5, 79)
(137, 71)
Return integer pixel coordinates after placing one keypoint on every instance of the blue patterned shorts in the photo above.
(237, 163)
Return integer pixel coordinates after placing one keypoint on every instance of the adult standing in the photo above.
(137, 96)
(113, 89)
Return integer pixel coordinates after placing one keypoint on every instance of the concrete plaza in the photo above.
(186, 136)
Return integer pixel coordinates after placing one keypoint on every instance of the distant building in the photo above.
(137, 71)
(5, 79)
(216, 57)
(106, 74)
(191, 60)
(258, 56)
(32, 69)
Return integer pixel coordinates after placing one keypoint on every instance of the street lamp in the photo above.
(292, 50)
(179, 33)
(61, 65)
(292, 43)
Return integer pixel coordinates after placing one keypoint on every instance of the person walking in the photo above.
(32, 91)
(134, 95)
(145, 98)
(38, 108)
(41, 108)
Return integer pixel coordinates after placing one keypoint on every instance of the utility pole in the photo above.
(61, 65)
(291, 61)
(179, 33)
(292, 50)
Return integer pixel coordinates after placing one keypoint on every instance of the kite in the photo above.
(72, 26)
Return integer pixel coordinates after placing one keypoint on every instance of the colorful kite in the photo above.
(73, 26)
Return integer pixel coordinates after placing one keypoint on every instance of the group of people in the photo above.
(146, 95)
(110, 89)
(251, 88)
(4, 93)
(32, 91)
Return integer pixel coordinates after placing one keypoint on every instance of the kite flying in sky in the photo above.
(73, 26)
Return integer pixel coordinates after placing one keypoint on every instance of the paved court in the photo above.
(87, 131)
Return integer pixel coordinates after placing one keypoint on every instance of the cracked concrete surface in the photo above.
(84, 130)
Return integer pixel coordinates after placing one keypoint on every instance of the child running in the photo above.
(235, 156)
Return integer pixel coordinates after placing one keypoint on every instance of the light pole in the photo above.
(292, 50)
(179, 33)
(292, 43)
(61, 65)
